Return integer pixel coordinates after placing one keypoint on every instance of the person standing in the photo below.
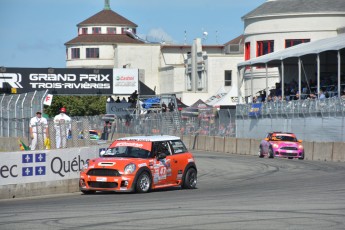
(171, 106)
(62, 125)
(38, 128)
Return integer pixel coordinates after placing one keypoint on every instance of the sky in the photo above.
(33, 32)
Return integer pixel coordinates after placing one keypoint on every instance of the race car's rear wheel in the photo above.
(270, 153)
(190, 179)
(143, 183)
(261, 154)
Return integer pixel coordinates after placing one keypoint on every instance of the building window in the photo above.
(247, 51)
(83, 30)
(227, 78)
(111, 30)
(92, 52)
(96, 30)
(293, 42)
(264, 47)
(75, 53)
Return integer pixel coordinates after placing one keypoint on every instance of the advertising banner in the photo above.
(70, 81)
(126, 81)
(255, 110)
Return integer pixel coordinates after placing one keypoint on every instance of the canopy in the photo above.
(198, 109)
(315, 47)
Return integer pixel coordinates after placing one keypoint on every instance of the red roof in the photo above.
(107, 17)
(103, 39)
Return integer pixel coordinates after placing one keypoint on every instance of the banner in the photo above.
(48, 100)
(255, 110)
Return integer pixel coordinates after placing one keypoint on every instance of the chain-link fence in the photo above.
(16, 111)
(221, 123)
(311, 120)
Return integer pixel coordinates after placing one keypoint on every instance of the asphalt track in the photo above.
(233, 192)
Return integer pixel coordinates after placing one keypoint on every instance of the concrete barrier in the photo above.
(209, 146)
(187, 140)
(339, 151)
(11, 144)
(308, 150)
(243, 146)
(323, 151)
(201, 142)
(219, 144)
(230, 145)
(254, 147)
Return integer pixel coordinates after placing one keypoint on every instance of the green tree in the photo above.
(77, 105)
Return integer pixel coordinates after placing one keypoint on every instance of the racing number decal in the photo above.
(162, 172)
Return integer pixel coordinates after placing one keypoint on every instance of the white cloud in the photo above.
(157, 35)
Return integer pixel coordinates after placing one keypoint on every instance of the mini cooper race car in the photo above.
(281, 144)
(139, 164)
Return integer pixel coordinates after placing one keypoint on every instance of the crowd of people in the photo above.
(308, 91)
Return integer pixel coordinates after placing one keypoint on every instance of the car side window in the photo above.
(178, 147)
(161, 147)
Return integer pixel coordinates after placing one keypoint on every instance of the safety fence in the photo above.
(329, 107)
(85, 131)
(16, 110)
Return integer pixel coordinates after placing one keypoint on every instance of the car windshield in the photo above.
(284, 138)
(93, 133)
(127, 151)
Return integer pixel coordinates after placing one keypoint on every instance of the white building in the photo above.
(198, 71)
(279, 24)
(192, 72)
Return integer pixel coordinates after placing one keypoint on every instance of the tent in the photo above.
(180, 104)
(223, 97)
(198, 109)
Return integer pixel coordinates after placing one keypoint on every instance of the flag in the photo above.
(48, 99)
(47, 143)
(22, 146)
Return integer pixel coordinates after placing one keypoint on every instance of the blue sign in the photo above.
(40, 170)
(40, 157)
(27, 158)
(27, 171)
(255, 110)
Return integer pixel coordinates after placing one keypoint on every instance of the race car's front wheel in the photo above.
(261, 154)
(190, 179)
(270, 153)
(143, 183)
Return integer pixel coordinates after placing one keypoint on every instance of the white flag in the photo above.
(48, 100)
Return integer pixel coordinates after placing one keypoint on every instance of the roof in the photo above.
(238, 40)
(283, 7)
(150, 138)
(107, 17)
(315, 47)
(103, 38)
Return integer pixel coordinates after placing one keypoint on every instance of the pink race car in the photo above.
(281, 144)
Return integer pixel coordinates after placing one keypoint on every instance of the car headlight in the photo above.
(275, 146)
(130, 168)
(300, 146)
(85, 166)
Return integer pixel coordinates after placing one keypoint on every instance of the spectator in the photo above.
(171, 106)
(62, 125)
(123, 100)
(164, 107)
(110, 99)
(134, 96)
(322, 95)
(118, 100)
(38, 130)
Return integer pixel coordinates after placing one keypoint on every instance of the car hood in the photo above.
(114, 162)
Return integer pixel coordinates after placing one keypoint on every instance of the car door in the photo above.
(179, 159)
(162, 166)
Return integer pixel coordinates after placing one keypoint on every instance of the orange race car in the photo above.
(139, 164)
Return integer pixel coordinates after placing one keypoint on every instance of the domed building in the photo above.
(190, 71)
(280, 24)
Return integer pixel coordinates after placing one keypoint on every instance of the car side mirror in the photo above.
(300, 141)
(102, 153)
